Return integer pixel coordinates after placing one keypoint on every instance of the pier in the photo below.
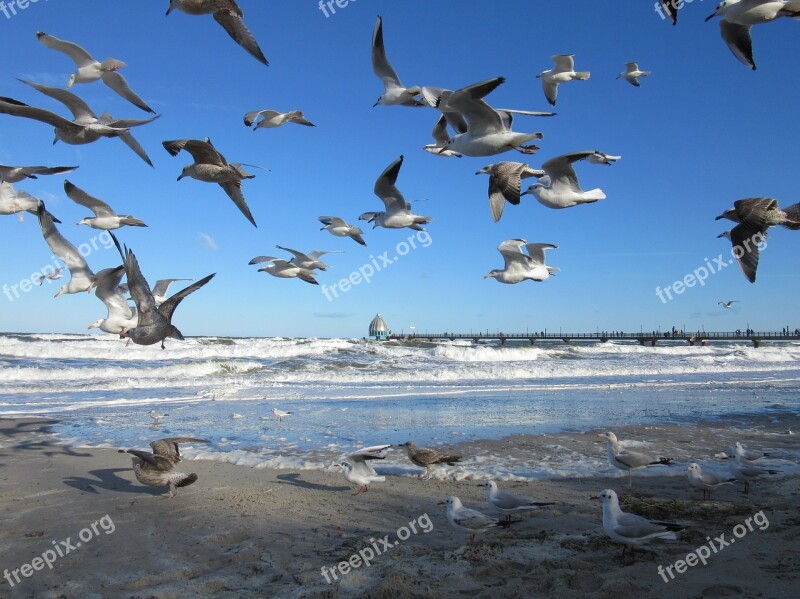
(697, 338)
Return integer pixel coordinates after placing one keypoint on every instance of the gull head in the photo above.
(485, 170)
(172, 4)
(694, 469)
(719, 9)
(725, 234)
(451, 502)
(607, 496)
(186, 172)
(378, 101)
(609, 436)
(71, 81)
(61, 291)
(95, 324)
(730, 214)
(532, 190)
(84, 221)
(493, 274)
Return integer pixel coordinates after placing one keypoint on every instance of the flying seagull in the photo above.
(441, 138)
(282, 269)
(50, 276)
(394, 92)
(17, 202)
(210, 166)
(338, 227)
(157, 469)
(90, 70)
(626, 459)
(272, 118)
(121, 317)
(310, 260)
(155, 323)
(738, 16)
(81, 276)
(358, 471)
(505, 181)
(561, 188)
(15, 174)
(632, 530)
(728, 305)
(520, 266)
(507, 502)
(744, 471)
(86, 126)
(228, 14)
(563, 71)
(426, 457)
(632, 73)
(104, 217)
(671, 8)
(398, 212)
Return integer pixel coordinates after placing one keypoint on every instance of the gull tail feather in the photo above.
(582, 75)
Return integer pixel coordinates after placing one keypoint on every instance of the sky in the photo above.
(701, 132)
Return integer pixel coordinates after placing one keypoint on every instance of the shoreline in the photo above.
(254, 532)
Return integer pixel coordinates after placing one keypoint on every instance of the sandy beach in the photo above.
(250, 532)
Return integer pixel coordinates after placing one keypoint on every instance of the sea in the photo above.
(348, 393)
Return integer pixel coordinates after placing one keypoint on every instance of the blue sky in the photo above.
(701, 132)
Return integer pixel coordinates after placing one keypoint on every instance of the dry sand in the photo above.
(248, 532)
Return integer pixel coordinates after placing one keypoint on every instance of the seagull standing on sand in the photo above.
(104, 218)
(750, 455)
(520, 266)
(706, 481)
(625, 459)
(398, 212)
(738, 16)
(280, 414)
(743, 470)
(90, 70)
(562, 189)
(394, 92)
(272, 118)
(228, 14)
(506, 501)
(632, 73)
(488, 130)
(563, 71)
(426, 457)
(81, 276)
(505, 183)
(338, 227)
(157, 469)
(472, 521)
(121, 317)
(632, 530)
(154, 323)
(15, 174)
(210, 166)
(360, 472)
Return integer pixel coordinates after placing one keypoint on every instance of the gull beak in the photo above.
(180, 177)
(711, 16)
(721, 216)
(441, 503)
(594, 497)
(721, 235)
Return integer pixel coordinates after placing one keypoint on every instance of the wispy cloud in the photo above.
(333, 314)
(207, 242)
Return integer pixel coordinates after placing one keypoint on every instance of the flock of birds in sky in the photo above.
(467, 126)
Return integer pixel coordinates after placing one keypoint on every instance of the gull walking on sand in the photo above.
(743, 470)
(427, 457)
(738, 16)
(121, 317)
(563, 71)
(90, 70)
(505, 183)
(157, 469)
(86, 126)
(632, 73)
(280, 414)
(507, 502)
(15, 174)
(155, 322)
(156, 417)
(472, 521)
(398, 212)
(560, 189)
(626, 459)
(520, 266)
(706, 480)
(228, 14)
(282, 269)
(632, 530)
(488, 130)
(359, 472)
(210, 166)
(81, 276)
(272, 118)
(394, 92)
(104, 218)
(338, 227)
